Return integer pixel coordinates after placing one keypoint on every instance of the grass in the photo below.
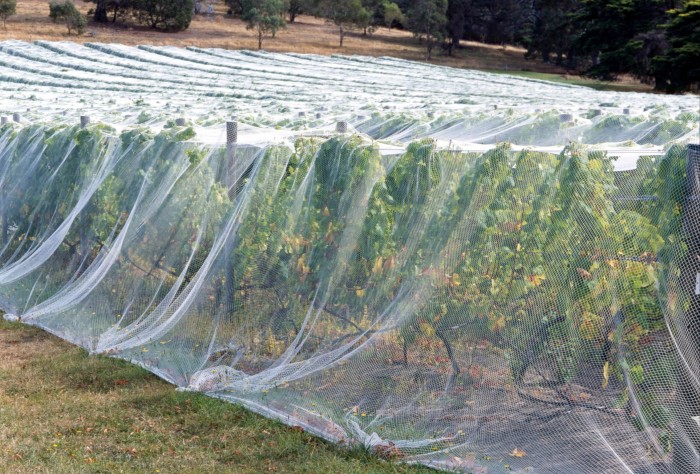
(306, 35)
(63, 411)
(626, 84)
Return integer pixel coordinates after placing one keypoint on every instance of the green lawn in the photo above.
(581, 81)
(62, 411)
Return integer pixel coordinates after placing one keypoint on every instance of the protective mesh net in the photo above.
(482, 307)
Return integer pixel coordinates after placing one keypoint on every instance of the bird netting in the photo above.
(523, 299)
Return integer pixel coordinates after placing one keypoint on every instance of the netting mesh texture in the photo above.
(504, 310)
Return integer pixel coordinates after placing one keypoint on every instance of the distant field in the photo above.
(62, 411)
(306, 35)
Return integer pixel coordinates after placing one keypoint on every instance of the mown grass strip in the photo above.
(63, 411)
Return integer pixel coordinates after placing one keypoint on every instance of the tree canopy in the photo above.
(7, 9)
(264, 16)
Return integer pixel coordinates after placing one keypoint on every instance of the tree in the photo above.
(344, 15)
(456, 22)
(263, 15)
(427, 19)
(105, 9)
(297, 7)
(100, 15)
(67, 12)
(235, 7)
(392, 14)
(679, 68)
(620, 36)
(7, 9)
(170, 15)
(551, 30)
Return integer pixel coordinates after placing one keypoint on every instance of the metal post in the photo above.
(228, 171)
(84, 121)
(16, 117)
(686, 440)
(231, 132)
(341, 127)
(181, 122)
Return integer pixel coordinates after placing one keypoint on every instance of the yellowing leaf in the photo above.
(455, 279)
(585, 274)
(536, 279)
(360, 292)
(606, 374)
(326, 212)
(301, 265)
(518, 453)
(377, 266)
(427, 329)
(498, 324)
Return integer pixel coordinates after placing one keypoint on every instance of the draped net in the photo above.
(487, 305)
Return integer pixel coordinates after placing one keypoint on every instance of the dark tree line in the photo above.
(170, 15)
(656, 41)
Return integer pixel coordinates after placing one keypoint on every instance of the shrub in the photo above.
(66, 11)
(7, 9)
(170, 15)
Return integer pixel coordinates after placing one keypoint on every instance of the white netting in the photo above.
(488, 274)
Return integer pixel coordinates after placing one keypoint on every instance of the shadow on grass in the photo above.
(66, 411)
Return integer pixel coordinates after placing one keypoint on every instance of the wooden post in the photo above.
(686, 440)
(181, 122)
(341, 127)
(3, 120)
(84, 121)
(16, 117)
(564, 118)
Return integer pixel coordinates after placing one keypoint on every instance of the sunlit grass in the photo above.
(62, 410)
(621, 86)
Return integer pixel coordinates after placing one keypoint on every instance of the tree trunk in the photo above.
(101, 11)
(342, 35)
(453, 361)
(260, 38)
